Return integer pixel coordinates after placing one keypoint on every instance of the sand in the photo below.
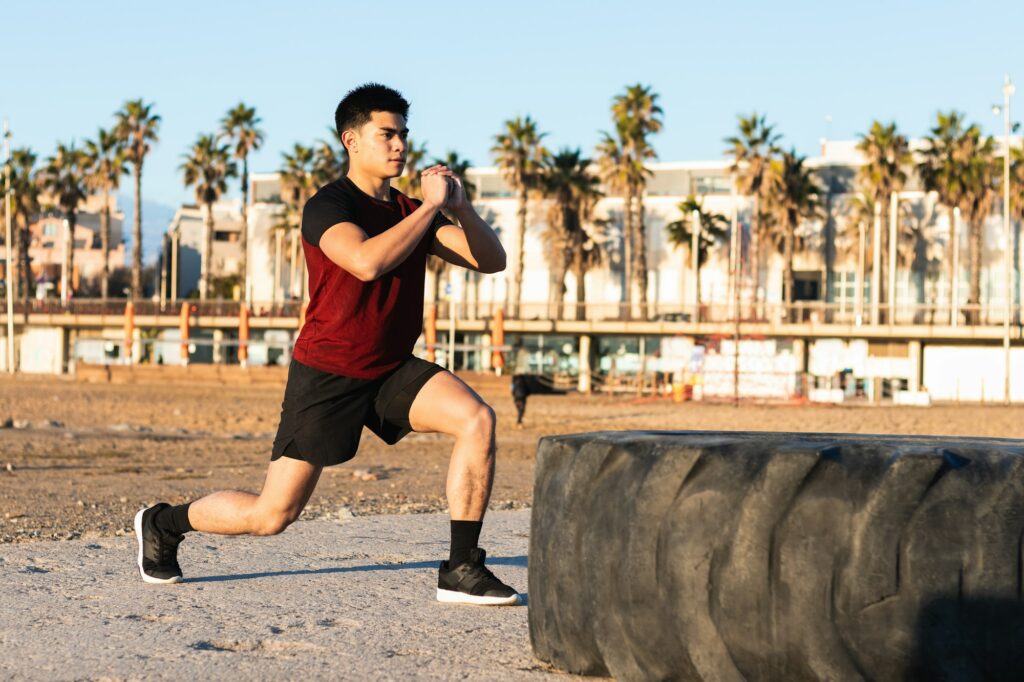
(92, 454)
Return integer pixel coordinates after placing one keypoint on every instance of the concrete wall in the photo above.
(972, 374)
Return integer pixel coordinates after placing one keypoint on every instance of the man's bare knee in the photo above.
(480, 422)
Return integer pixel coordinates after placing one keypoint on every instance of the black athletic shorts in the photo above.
(323, 414)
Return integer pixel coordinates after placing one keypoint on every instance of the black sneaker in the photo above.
(471, 583)
(158, 551)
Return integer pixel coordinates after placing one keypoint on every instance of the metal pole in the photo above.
(876, 269)
(954, 312)
(9, 243)
(1007, 93)
(894, 207)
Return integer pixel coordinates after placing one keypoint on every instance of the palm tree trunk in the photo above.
(243, 241)
(520, 255)
(204, 266)
(627, 252)
(72, 224)
(697, 312)
(641, 257)
(137, 235)
(787, 282)
(885, 296)
(581, 286)
(105, 245)
(977, 235)
(951, 248)
(755, 249)
(27, 290)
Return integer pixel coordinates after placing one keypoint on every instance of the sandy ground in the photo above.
(91, 454)
(345, 599)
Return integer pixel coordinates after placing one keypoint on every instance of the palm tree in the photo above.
(239, 126)
(207, 167)
(752, 152)
(438, 267)
(852, 237)
(520, 156)
(299, 181)
(326, 163)
(566, 179)
(943, 172)
(636, 115)
(980, 172)
(460, 167)
(409, 182)
(886, 154)
(137, 127)
(105, 162)
(63, 179)
(792, 197)
(25, 205)
(711, 231)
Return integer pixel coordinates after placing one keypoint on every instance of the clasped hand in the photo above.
(442, 188)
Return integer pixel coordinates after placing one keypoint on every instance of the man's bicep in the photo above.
(342, 243)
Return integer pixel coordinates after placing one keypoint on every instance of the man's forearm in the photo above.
(483, 241)
(387, 250)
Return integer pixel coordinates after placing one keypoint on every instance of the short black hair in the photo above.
(356, 107)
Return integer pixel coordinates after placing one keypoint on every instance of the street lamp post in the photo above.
(1008, 251)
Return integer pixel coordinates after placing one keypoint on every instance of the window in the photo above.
(49, 229)
(712, 184)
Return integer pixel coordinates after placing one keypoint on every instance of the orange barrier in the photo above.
(498, 340)
(129, 330)
(183, 326)
(243, 334)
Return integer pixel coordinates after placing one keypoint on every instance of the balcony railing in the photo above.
(802, 312)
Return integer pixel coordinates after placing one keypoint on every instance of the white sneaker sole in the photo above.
(453, 597)
(149, 578)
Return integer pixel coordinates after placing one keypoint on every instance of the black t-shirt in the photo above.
(354, 328)
(342, 202)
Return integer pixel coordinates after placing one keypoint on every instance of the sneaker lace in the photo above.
(485, 572)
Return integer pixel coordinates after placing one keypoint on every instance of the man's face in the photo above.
(378, 147)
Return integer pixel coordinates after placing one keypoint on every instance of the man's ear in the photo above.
(348, 138)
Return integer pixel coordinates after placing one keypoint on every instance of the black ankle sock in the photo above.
(173, 519)
(465, 536)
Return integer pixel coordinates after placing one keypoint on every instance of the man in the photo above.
(520, 380)
(366, 246)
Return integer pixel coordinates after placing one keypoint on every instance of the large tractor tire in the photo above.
(778, 556)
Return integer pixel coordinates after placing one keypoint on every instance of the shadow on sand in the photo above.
(491, 561)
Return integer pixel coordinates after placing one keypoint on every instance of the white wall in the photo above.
(42, 351)
(972, 374)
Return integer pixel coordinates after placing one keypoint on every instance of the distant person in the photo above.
(366, 246)
(520, 379)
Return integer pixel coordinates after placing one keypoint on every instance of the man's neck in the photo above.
(378, 188)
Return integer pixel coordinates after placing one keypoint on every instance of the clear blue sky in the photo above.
(467, 66)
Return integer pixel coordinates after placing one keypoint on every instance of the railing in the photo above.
(116, 306)
(802, 312)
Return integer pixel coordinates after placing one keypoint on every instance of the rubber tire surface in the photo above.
(778, 556)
